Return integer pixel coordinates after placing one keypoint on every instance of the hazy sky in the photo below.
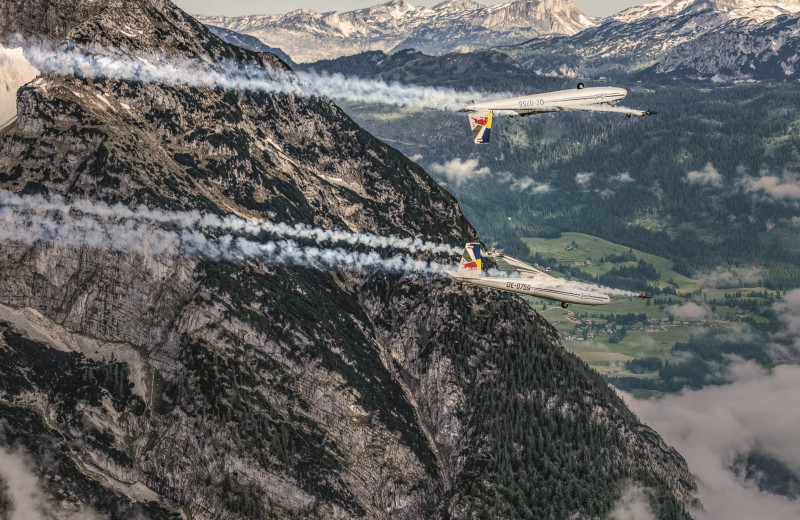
(240, 7)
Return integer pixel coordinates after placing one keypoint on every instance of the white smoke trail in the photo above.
(374, 91)
(195, 220)
(117, 64)
(135, 237)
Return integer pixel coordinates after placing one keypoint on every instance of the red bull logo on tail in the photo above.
(481, 124)
(471, 259)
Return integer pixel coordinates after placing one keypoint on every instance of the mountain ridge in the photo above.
(447, 27)
(629, 44)
(276, 390)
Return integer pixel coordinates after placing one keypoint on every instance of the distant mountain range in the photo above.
(452, 26)
(675, 38)
(717, 40)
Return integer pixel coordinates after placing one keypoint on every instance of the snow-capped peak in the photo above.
(758, 10)
(454, 25)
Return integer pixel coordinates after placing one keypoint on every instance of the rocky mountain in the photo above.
(452, 26)
(641, 37)
(756, 10)
(767, 51)
(250, 43)
(150, 382)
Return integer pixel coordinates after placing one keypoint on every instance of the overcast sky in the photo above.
(240, 7)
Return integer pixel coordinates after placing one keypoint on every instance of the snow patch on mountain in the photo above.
(757, 10)
(767, 51)
(15, 71)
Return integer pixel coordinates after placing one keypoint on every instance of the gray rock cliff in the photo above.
(178, 386)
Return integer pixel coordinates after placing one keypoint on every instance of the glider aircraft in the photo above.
(529, 280)
(594, 99)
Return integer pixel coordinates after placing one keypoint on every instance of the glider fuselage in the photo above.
(558, 290)
(553, 101)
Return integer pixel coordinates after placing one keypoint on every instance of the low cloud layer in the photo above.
(458, 172)
(28, 498)
(583, 179)
(623, 178)
(723, 277)
(713, 426)
(708, 176)
(780, 187)
(688, 311)
(522, 183)
(785, 344)
(634, 504)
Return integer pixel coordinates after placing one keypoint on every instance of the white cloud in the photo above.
(28, 498)
(633, 504)
(527, 183)
(786, 343)
(784, 187)
(623, 178)
(583, 179)
(459, 171)
(707, 176)
(689, 311)
(713, 426)
(722, 277)
(416, 157)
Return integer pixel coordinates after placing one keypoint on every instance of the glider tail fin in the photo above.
(481, 124)
(471, 262)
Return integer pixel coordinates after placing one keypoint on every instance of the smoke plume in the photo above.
(210, 222)
(142, 238)
(227, 74)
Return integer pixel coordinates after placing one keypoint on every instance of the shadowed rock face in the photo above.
(159, 383)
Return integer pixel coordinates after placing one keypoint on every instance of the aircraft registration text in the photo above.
(519, 286)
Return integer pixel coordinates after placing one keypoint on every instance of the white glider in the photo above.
(533, 282)
(594, 99)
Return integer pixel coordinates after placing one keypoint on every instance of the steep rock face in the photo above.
(767, 51)
(163, 382)
(448, 27)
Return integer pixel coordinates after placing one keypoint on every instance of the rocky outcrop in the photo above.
(167, 383)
